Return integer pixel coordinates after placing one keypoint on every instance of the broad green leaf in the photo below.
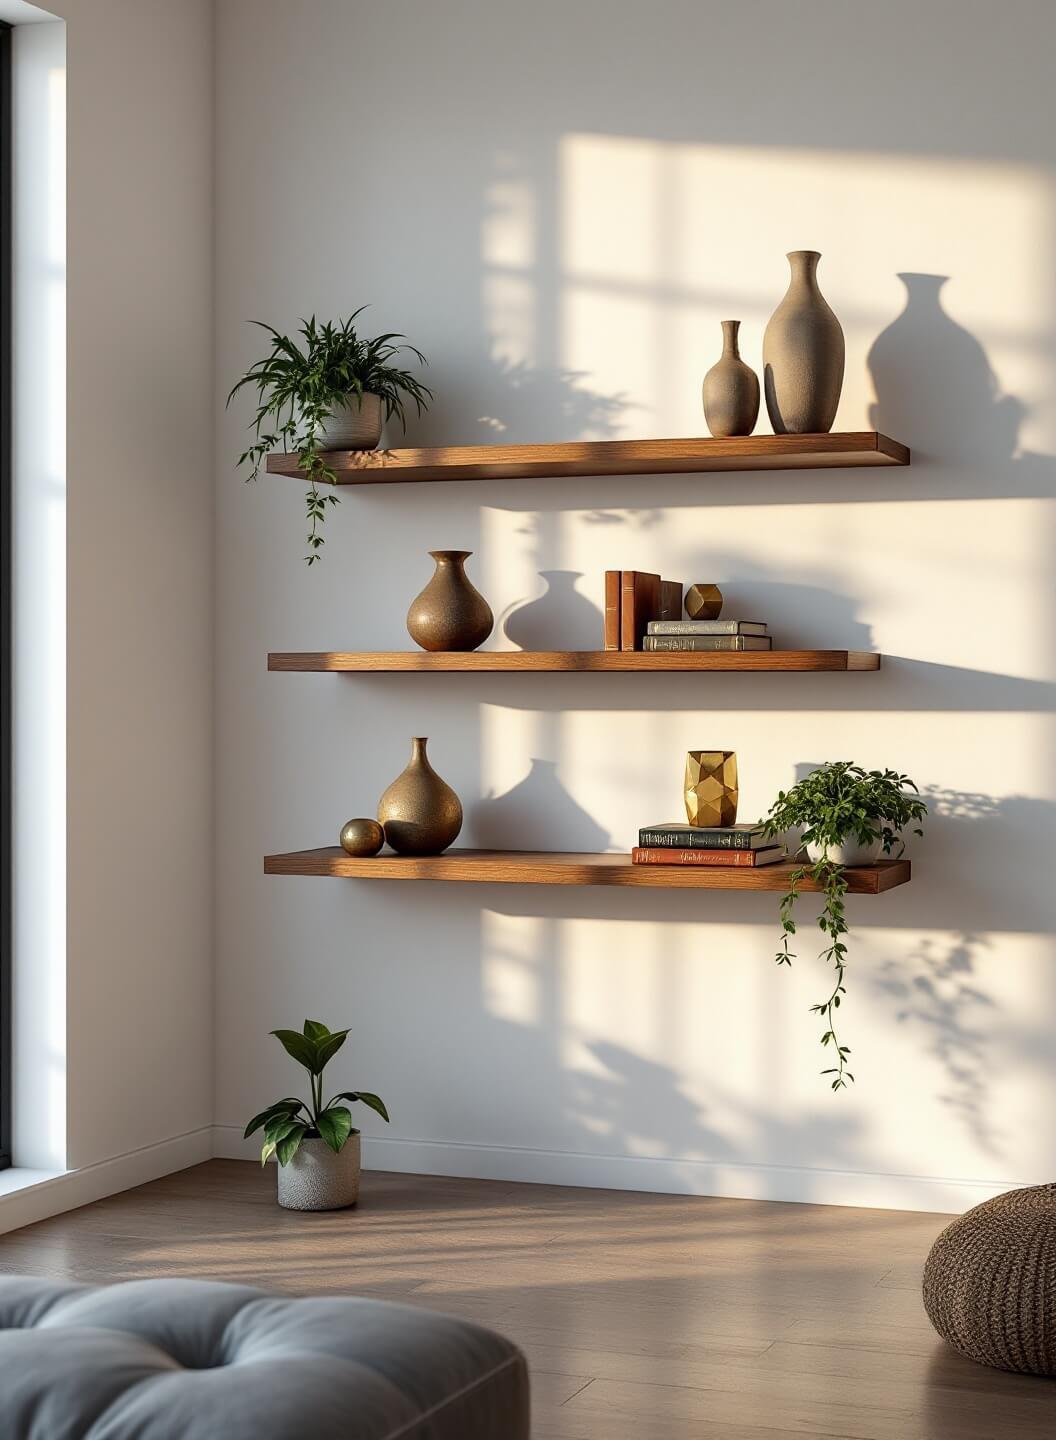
(279, 1128)
(335, 1126)
(287, 1106)
(315, 1030)
(288, 1146)
(295, 1044)
(327, 1049)
(374, 1101)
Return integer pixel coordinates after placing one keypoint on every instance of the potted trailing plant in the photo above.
(844, 816)
(315, 1145)
(331, 391)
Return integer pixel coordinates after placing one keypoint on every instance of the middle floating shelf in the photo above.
(398, 661)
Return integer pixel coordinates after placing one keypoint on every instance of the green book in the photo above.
(680, 836)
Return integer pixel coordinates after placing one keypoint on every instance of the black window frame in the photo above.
(5, 593)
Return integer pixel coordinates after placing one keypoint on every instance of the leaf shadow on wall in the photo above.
(505, 402)
(937, 988)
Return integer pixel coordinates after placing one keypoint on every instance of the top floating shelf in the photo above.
(606, 457)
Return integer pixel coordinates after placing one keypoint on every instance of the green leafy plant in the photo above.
(289, 1121)
(299, 386)
(839, 801)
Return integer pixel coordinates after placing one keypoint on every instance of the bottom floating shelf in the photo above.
(543, 867)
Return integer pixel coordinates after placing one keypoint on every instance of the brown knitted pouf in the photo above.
(990, 1282)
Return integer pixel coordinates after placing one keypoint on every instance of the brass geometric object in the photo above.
(703, 602)
(711, 787)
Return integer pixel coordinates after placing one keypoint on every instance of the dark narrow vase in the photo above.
(731, 389)
(450, 613)
(420, 813)
(803, 355)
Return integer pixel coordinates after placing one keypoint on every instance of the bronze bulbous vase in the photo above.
(420, 813)
(450, 613)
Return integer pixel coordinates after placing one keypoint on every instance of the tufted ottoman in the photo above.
(171, 1359)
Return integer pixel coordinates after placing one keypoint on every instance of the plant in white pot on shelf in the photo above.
(332, 391)
(844, 815)
(316, 1146)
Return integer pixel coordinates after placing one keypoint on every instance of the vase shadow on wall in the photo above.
(536, 814)
(559, 619)
(935, 387)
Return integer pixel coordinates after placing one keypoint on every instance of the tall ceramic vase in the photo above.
(450, 613)
(731, 389)
(420, 813)
(803, 355)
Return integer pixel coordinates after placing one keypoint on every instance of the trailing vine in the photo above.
(837, 802)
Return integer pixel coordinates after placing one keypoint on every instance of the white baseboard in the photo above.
(45, 1195)
(655, 1174)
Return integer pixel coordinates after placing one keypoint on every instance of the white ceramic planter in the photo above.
(847, 852)
(317, 1179)
(356, 425)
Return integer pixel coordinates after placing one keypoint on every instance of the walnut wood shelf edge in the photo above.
(587, 661)
(606, 457)
(529, 867)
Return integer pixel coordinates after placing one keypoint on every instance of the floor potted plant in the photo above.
(332, 391)
(843, 815)
(316, 1146)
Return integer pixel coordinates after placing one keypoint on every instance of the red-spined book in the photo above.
(639, 603)
(613, 634)
(645, 855)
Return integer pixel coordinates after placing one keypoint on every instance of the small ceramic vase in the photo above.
(711, 787)
(450, 613)
(362, 837)
(421, 814)
(318, 1179)
(803, 355)
(355, 425)
(731, 389)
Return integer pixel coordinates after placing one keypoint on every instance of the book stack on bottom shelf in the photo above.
(712, 635)
(682, 844)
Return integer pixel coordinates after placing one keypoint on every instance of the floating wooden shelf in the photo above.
(606, 457)
(530, 867)
(401, 661)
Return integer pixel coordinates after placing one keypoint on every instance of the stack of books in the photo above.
(682, 844)
(644, 612)
(706, 635)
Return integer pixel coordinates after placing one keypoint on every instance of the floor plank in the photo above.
(644, 1317)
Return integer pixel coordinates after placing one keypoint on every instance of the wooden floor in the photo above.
(644, 1317)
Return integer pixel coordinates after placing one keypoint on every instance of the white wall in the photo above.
(138, 980)
(559, 204)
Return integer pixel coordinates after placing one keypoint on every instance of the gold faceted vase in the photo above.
(711, 787)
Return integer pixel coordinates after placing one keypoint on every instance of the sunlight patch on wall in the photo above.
(659, 241)
(511, 953)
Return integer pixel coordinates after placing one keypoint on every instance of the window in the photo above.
(5, 595)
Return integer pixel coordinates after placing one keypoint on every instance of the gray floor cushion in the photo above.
(168, 1359)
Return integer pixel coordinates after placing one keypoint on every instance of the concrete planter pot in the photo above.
(356, 425)
(317, 1179)
(848, 852)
